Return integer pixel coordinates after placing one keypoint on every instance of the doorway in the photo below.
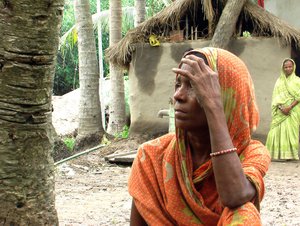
(295, 55)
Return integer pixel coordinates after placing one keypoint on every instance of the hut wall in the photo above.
(151, 80)
(287, 10)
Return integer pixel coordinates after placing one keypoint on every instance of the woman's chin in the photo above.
(182, 124)
(190, 125)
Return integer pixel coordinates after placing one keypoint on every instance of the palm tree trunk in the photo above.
(100, 49)
(117, 117)
(140, 9)
(227, 23)
(101, 70)
(90, 128)
(29, 32)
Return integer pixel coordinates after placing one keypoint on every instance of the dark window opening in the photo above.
(295, 55)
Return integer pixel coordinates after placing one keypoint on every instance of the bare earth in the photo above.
(91, 191)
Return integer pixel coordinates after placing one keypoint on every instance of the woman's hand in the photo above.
(203, 79)
(285, 110)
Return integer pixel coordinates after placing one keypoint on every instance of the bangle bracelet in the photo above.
(213, 154)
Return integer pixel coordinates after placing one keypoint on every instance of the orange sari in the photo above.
(167, 191)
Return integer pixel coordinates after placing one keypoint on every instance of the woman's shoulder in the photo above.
(160, 141)
(297, 78)
(158, 144)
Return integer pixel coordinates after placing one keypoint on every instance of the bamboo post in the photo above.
(192, 33)
(186, 28)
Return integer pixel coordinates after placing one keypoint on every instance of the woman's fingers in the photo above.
(182, 72)
(197, 65)
(197, 69)
(193, 63)
(201, 63)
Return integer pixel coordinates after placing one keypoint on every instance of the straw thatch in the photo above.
(204, 15)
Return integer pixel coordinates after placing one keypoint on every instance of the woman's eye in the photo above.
(177, 85)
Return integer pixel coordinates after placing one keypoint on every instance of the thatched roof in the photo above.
(204, 15)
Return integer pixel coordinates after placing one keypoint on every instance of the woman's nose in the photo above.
(180, 94)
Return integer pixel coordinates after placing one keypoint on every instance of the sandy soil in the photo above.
(90, 191)
(65, 112)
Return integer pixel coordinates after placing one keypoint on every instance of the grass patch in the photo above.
(69, 142)
(124, 134)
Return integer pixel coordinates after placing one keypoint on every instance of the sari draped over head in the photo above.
(283, 137)
(167, 191)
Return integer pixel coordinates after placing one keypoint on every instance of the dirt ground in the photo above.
(91, 191)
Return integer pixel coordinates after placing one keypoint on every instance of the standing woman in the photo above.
(283, 137)
(210, 172)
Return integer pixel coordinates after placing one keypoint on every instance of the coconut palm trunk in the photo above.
(100, 59)
(100, 49)
(29, 32)
(90, 129)
(140, 9)
(117, 117)
(227, 23)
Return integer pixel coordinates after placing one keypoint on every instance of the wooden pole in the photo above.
(186, 28)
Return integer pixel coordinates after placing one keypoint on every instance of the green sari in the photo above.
(283, 137)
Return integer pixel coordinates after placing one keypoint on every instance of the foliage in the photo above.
(154, 6)
(66, 71)
(246, 34)
(124, 134)
(66, 74)
(105, 141)
(68, 17)
(69, 142)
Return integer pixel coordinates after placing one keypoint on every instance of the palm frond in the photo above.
(69, 39)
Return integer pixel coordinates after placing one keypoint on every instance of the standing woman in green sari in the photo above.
(283, 137)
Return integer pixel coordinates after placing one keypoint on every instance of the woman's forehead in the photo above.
(288, 63)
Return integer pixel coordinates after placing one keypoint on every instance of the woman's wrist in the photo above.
(214, 105)
(295, 102)
(291, 106)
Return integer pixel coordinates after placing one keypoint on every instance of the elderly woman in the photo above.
(283, 137)
(210, 172)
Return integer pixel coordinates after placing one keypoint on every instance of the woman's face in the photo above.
(288, 68)
(188, 113)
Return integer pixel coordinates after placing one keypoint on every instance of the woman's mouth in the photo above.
(180, 113)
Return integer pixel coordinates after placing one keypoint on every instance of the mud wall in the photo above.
(287, 10)
(151, 81)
